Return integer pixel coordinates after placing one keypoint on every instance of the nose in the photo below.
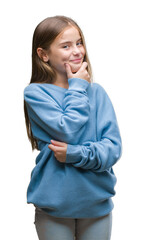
(76, 50)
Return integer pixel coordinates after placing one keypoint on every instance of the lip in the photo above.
(77, 60)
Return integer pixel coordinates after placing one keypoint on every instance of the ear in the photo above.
(43, 55)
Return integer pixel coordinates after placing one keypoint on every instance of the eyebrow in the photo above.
(65, 42)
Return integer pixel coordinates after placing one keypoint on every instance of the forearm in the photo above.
(55, 119)
(96, 156)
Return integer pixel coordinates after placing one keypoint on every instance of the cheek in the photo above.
(59, 61)
(83, 51)
(65, 57)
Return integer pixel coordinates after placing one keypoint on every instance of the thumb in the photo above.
(84, 66)
(68, 70)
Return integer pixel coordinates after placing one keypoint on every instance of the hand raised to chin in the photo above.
(81, 73)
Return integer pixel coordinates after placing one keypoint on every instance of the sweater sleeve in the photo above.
(103, 154)
(59, 119)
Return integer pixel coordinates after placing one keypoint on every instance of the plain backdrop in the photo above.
(115, 33)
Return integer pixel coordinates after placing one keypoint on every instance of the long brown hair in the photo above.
(44, 35)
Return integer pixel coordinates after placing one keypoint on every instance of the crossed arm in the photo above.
(97, 156)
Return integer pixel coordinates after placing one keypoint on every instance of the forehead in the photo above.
(68, 34)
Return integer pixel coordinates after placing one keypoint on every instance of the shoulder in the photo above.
(36, 89)
(32, 87)
(101, 95)
(35, 92)
(98, 89)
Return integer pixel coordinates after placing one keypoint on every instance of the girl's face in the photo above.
(67, 48)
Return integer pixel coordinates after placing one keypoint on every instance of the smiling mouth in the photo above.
(77, 60)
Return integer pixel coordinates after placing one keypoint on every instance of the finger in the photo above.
(54, 148)
(57, 143)
(83, 66)
(68, 70)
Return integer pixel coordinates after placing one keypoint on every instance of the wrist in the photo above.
(77, 84)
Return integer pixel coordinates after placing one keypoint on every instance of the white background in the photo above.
(115, 33)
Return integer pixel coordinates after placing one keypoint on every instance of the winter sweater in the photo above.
(83, 117)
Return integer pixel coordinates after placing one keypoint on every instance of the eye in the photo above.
(79, 43)
(65, 46)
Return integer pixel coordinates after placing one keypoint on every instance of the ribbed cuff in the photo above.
(73, 153)
(78, 84)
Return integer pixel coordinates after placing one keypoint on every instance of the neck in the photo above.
(61, 81)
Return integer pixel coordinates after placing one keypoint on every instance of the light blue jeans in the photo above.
(52, 228)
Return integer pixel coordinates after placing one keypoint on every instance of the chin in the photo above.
(75, 68)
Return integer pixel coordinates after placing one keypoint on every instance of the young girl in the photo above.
(71, 121)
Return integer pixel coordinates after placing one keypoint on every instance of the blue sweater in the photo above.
(83, 117)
